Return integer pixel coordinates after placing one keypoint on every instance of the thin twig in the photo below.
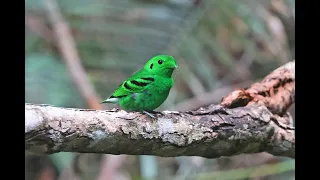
(35, 25)
(67, 48)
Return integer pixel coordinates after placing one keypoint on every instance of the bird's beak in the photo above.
(174, 67)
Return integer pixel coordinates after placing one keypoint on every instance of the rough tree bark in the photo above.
(247, 121)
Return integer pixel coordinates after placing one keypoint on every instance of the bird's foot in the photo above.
(152, 114)
(149, 114)
(157, 112)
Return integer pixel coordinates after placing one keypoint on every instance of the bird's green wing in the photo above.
(135, 84)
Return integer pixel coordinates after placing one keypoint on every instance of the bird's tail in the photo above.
(110, 100)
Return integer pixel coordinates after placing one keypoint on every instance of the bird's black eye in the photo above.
(160, 61)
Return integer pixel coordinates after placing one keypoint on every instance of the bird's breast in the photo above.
(163, 85)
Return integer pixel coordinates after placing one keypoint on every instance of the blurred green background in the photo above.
(218, 45)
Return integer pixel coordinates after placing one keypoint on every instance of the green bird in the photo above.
(148, 88)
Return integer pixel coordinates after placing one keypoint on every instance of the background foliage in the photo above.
(217, 44)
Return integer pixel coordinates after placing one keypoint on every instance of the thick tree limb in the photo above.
(250, 123)
(210, 132)
(208, 98)
(276, 91)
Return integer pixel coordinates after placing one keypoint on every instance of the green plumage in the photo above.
(148, 88)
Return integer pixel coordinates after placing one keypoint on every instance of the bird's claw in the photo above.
(157, 112)
(149, 114)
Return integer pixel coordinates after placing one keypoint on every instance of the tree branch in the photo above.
(276, 91)
(210, 132)
(208, 98)
(249, 123)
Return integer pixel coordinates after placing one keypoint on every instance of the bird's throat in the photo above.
(168, 72)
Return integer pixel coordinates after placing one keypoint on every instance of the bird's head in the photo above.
(162, 65)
